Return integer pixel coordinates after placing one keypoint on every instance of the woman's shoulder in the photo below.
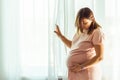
(98, 30)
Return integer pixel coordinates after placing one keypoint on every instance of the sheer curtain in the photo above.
(42, 55)
(33, 39)
(9, 23)
(62, 14)
(29, 48)
(112, 19)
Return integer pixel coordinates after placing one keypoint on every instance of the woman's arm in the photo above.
(99, 56)
(66, 41)
(63, 38)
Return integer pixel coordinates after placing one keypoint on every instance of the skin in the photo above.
(63, 38)
(85, 23)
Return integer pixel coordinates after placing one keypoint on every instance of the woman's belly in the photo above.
(78, 58)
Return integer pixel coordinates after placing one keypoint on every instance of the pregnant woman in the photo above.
(86, 47)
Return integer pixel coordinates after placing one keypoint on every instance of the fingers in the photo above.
(72, 68)
(56, 25)
(57, 30)
(75, 68)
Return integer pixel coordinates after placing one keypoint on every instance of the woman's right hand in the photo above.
(57, 31)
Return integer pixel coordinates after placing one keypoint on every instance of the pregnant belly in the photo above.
(78, 58)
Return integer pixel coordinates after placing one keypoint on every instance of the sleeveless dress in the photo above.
(82, 50)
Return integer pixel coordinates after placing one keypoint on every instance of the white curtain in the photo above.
(9, 60)
(62, 14)
(29, 49)
(112, 20)
(9, 53)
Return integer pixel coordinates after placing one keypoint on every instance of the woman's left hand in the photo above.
(76, 68)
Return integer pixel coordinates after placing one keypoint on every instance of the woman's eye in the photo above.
(84, 23)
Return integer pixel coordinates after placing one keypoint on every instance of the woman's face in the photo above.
(85, 23)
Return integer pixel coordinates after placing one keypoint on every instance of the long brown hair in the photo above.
(85, 13)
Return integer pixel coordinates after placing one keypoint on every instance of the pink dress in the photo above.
(83, 50)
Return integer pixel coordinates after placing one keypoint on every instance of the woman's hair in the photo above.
(85, 13)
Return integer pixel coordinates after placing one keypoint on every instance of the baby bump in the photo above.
(77, 58)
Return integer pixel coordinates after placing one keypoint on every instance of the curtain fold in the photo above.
(9, 60)
(1, 66)
(63, 15)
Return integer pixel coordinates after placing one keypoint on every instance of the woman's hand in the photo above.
(76, 68)
(62, 37)
(57, 31)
